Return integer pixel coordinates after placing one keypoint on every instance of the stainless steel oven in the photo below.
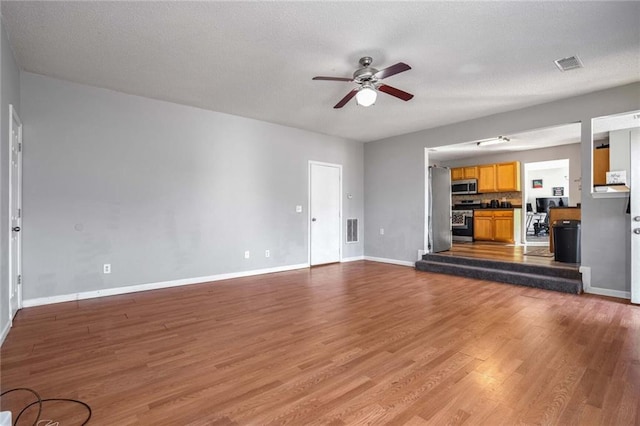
(464, 187)
(462, 225)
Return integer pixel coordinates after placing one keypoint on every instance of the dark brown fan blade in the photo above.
(395, 92)
(346, 99)
(333, 78)
(392, 70)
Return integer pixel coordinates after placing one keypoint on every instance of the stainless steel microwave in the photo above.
(464, 187)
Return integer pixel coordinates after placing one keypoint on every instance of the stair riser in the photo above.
(559, 272)
(537, 281)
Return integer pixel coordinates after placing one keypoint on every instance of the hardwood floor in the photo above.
(354, 343)
(503, 252)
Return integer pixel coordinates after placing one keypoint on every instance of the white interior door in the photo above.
(635, 215)
(325, 213)
(15, 209)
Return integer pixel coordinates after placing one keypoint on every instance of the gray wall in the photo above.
(394, 182)
(571, 152)
(9, 94)
(162, 191)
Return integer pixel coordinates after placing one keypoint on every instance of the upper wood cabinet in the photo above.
(457, 173)
(487, 178)
(501, 177)
(471, 172)
(468, 172)
(508, 176)
(600, 165)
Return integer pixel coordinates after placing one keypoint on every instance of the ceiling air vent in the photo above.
(570, 63)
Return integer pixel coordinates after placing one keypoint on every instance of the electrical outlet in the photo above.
(106, 268)
(267, 253)
(381, 231)
(247, 254)
(298, 209)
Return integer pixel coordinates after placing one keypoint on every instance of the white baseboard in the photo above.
(5, 332)
(154, 286)
(392, 261)
(586, 286)
(608, 292)
(352, 259)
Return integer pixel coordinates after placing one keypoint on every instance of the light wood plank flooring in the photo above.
(502, 252)
(353, 343)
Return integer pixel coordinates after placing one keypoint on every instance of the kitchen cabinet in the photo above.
(483, 225)
(457, 173)
(501, 177)
(600, 165)
(508, 176)
(503, 226)
(460, 173)
(495, 225)
(486, 178)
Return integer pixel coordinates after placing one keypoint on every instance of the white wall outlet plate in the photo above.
(106, 268)
(267, 253)
(247, 254)
(298, 209)
(381, 231)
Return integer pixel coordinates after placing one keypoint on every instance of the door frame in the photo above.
(14, 118)
(339, 167)
(634, 273)
(526, 189)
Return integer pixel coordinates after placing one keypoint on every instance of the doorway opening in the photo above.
(545, 184)
(543, 145)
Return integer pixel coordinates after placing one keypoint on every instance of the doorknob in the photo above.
(16, 229)
(636, 231)
(313, 219)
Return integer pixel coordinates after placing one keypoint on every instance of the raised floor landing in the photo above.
(507, 264)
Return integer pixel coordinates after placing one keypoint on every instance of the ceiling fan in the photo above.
(368, 80)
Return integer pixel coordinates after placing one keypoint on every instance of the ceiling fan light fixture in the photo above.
(493, 141)
(367, 95)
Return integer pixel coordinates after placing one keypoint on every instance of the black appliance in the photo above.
(462, 220)
(464, 187)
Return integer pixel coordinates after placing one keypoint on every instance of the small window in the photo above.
(352, 230)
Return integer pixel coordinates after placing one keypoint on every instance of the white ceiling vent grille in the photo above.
(352, 230)
(570, 63)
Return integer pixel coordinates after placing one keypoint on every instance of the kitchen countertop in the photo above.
(499, 208)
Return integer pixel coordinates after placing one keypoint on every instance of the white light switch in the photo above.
(298, 209)
(381, 231)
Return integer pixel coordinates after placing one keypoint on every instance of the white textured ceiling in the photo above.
(256, 59)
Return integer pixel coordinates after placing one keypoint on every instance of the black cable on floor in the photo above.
(40, 400)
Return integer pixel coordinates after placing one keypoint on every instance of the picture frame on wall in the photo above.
(536, 183)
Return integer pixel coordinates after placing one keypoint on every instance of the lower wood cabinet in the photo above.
(494, 225)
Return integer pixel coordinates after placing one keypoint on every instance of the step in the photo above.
(546, 282)
(570, 271)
